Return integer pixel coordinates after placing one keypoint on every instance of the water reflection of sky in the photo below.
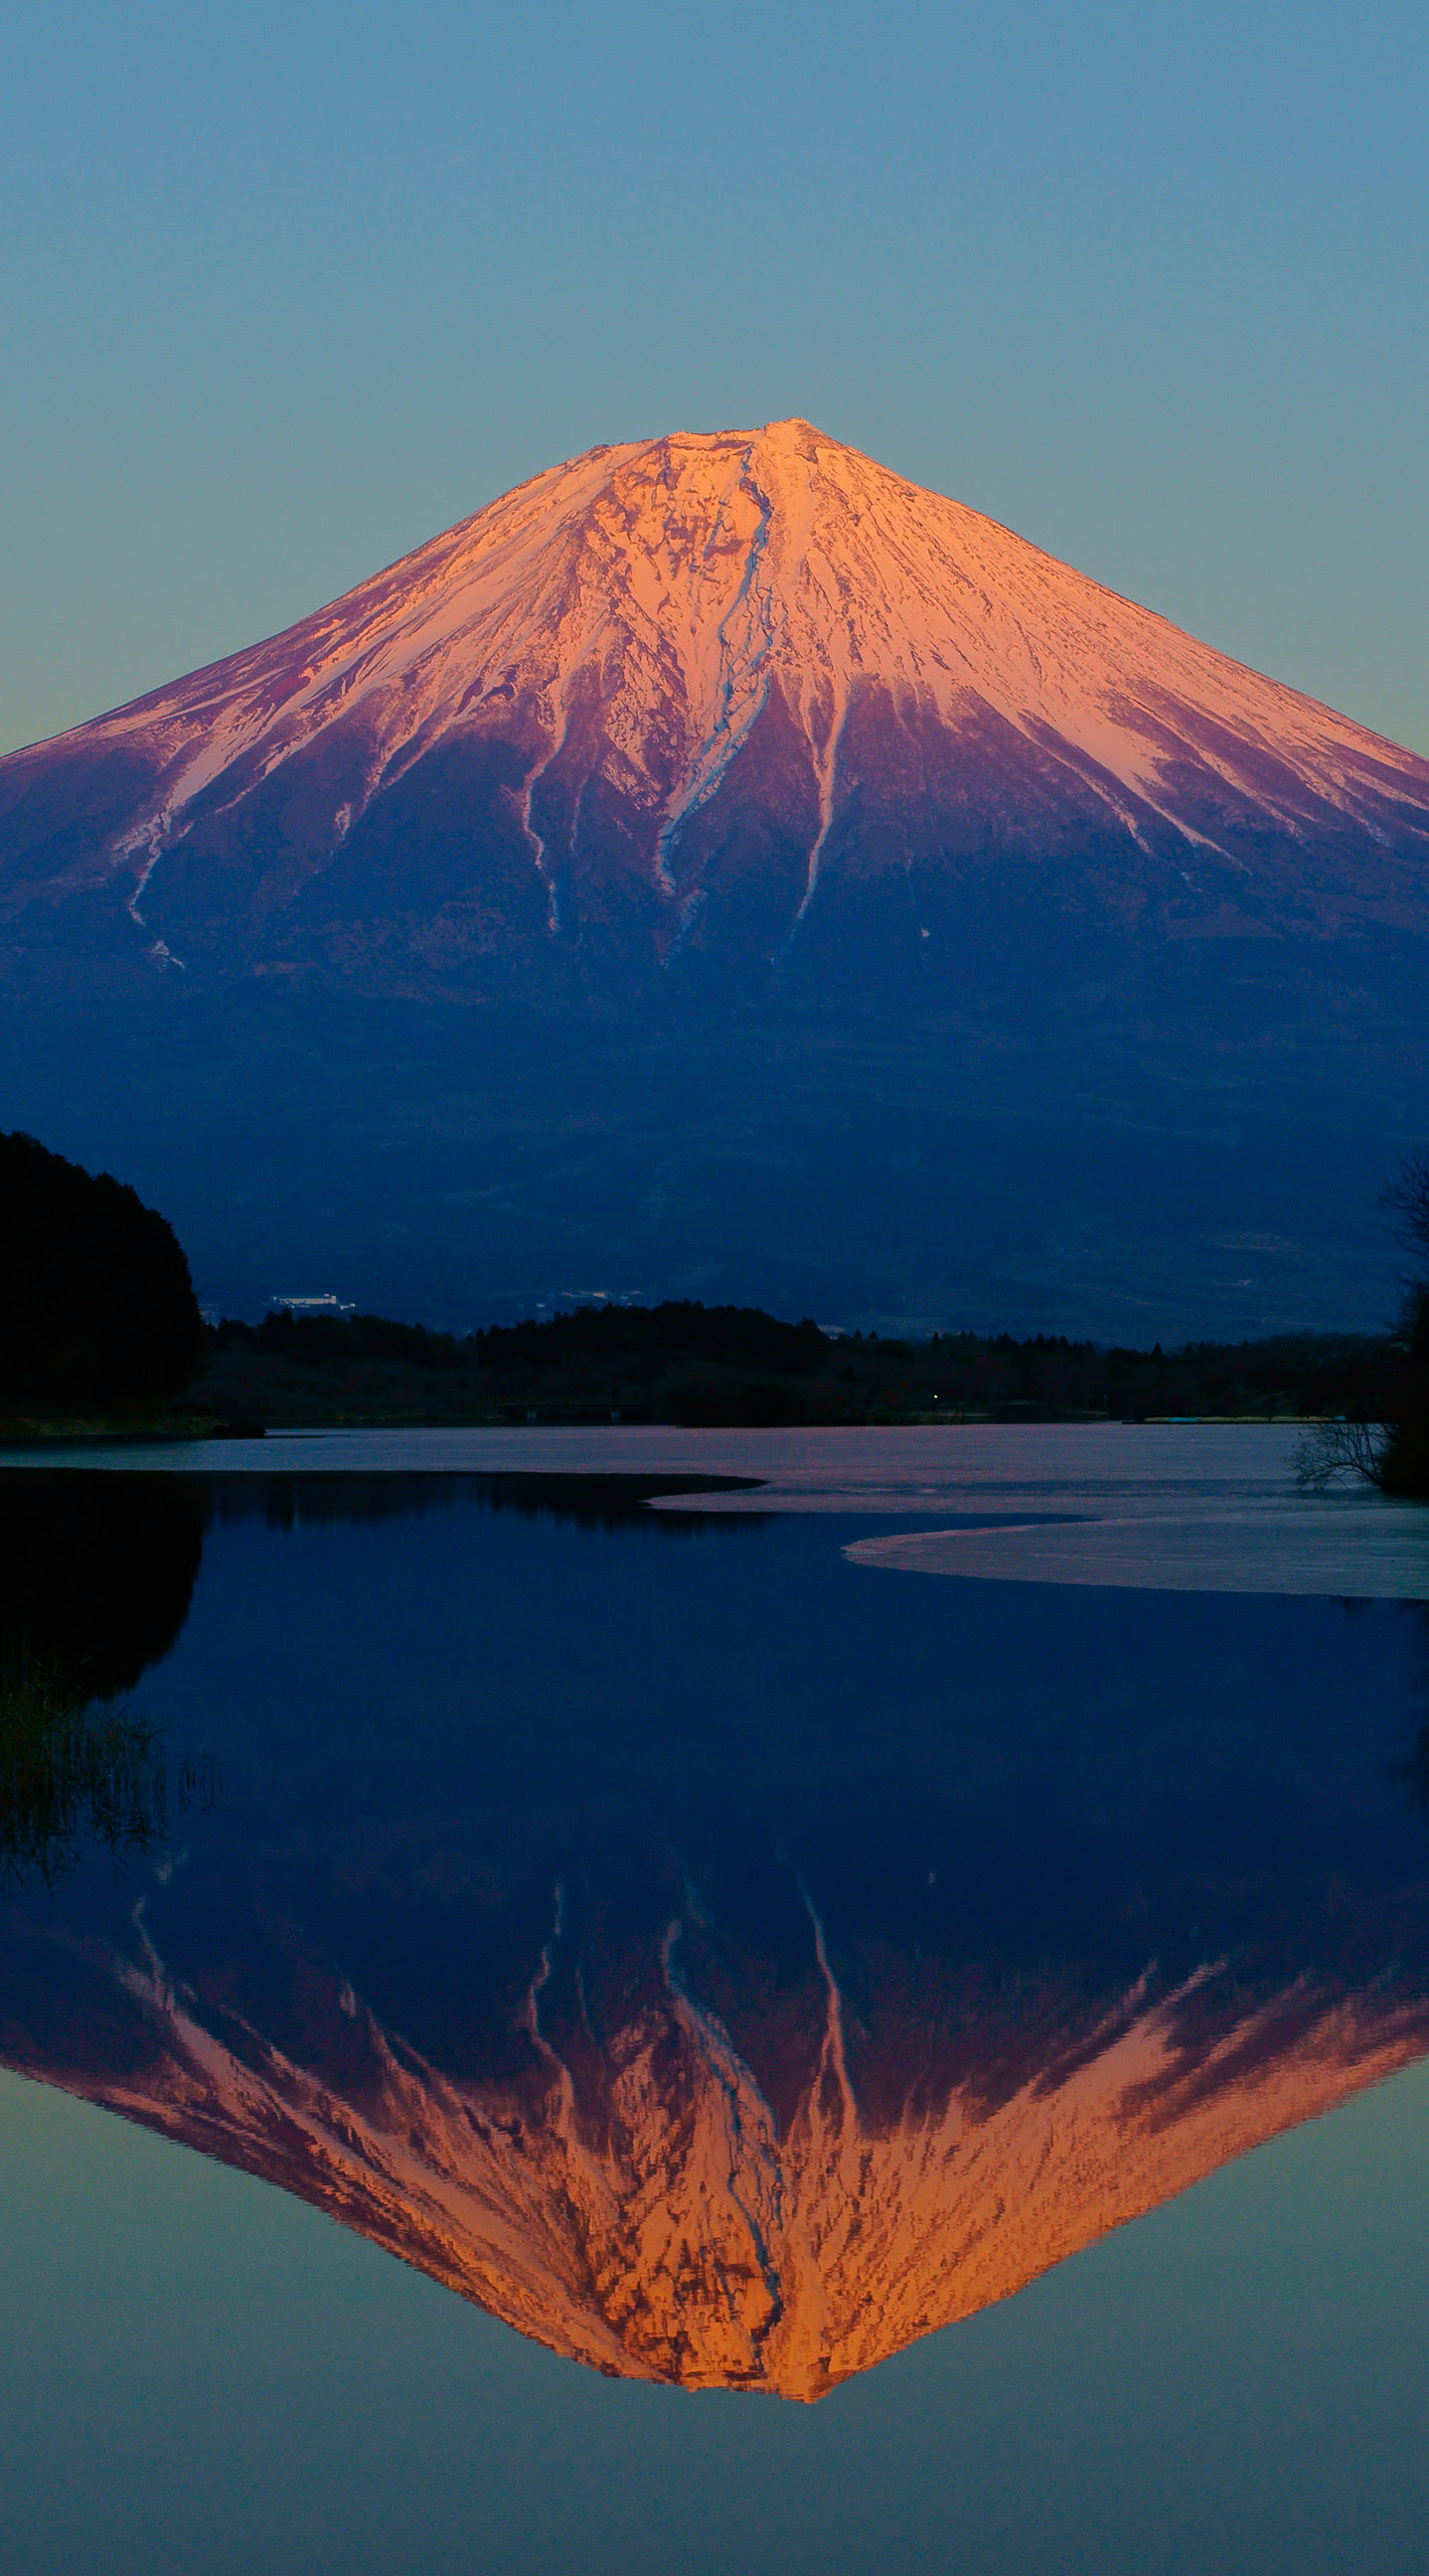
(1205, 1507)
(1006, 1909)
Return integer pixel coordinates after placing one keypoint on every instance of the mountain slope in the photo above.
(716, 693)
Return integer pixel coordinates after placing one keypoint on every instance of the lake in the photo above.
(782, 2001)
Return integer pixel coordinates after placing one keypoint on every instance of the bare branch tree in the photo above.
(1332, 1450)
(1392, 1452)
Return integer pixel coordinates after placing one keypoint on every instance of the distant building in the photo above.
(329, 1305)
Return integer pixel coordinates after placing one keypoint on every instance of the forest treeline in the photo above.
(98, 1319)
(687, 1363)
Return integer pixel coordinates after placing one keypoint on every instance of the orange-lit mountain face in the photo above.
(641, 2206)
(744, 698)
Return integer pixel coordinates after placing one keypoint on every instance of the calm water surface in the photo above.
(793, 1973)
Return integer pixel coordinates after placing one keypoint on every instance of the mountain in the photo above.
(709, 693)
(733, 768)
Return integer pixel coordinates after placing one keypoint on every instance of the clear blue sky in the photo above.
(284, 290)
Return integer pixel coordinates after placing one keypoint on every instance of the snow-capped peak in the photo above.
(639, 617)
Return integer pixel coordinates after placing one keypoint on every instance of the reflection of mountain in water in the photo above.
(676, 2053)
(644, 2209)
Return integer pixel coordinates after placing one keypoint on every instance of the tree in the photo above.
(1404, 1466)
(97, 1309)
(1405, 1201)
(1393, 1454)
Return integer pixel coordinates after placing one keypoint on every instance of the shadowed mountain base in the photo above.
(1183, 1147)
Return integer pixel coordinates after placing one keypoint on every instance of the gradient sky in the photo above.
(285, 290)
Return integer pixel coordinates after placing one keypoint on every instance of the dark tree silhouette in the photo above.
(1404, 1467)
(97, 1309)
(1405, 1201)
(1387, 1444)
